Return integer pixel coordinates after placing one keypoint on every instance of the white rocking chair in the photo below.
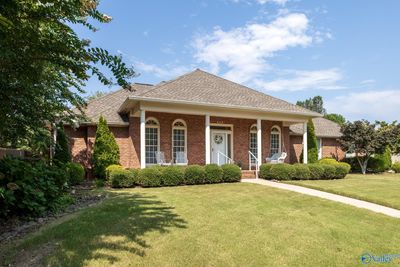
(181, 158)
(277, 158)
(160, 158)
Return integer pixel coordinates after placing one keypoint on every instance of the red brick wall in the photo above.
(330, 148)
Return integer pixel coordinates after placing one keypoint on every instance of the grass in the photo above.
(212, 225)
(377, 188)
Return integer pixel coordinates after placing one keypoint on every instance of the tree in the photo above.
(61, 151)
(312, 146)
(95, 95)
(364, 139)
(44, 64)
(105, 150)
(315, 104)
(339, 119)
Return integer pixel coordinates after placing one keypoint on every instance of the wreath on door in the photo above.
(218, 139)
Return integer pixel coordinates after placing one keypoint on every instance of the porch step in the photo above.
(246, 174)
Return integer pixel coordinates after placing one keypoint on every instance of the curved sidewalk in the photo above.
(342, 199)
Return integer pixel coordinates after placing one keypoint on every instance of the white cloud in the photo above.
(303, 80)
(164, 72)
(371, 105)
(368, 82)
(279, 2)
(245, 50)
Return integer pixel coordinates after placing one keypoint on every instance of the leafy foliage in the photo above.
(105, 149)
(75, 173)
(214, 173)
(61, 152)
(339, 119)
(302, 172)
(315, 104)
(312, 146)
(194, 174)
(120, 178)
(231, 173)
(45, 64)
(364, 139)
(173, 175)
(381, 162)
(112, 168)
(396, 167)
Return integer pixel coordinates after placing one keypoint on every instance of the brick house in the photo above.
(210, 119)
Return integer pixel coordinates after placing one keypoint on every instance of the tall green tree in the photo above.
(315, 103)
(312, 145)
(105, 150)
(61, 150)
(44, 64)
(364, 139)
(339, 119)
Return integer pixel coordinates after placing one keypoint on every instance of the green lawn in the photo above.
(212, 225)
(382, 189)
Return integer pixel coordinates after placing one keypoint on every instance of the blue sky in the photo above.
(346, 51)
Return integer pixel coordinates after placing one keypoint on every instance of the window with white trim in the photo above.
(275, 144)
(178, 137)
(152, 140)
(253, 143)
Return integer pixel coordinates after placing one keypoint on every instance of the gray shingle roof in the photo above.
(197, 86)
(203, 87)
(323, 128)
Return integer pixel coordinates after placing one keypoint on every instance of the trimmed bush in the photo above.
(231, 173)
(172, 175)
(75, 173)
(282, 171)
(341, 171)
(194, 174)
(329, 171)
(111, 168)
(328, 161)
(380, 162)
(214, 173)
(151, 177)
(316, 171)
(396, 167)
(264, 170)
(346, 165)
(121, 178)
(302, 172)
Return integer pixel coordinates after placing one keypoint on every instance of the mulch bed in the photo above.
(16, 228)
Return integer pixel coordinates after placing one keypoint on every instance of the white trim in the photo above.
(194, 103)
(259, 141)
(142, 139)
(280, 138)
(224, 131)
(207, 139)
(305, 144)
(227, 132)
(158, 137)
(319, 140)
(172, 136)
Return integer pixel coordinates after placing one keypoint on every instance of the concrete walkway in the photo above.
(312, 192)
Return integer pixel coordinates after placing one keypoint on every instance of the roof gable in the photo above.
(323, 128)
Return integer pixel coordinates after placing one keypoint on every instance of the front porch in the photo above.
(211, 138)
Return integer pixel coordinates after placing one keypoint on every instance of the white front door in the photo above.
(218, 146)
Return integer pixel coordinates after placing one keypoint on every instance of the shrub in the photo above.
(112, 168)
(302, 172)
(172, 175)
(396, 167)
(316, 171)
(105, 149)
(99, 183)
(312, 147)
(282, 171)
(264, 170)
(29, 189)
(341, 171)
(61, 151)
(194, 174)
(151, 177)
(380, 162)
(346, 165)
(353, 162)
(121, 178)
(328, 161)
(214, 173)
(231, 173)
(75, 173)
(329, 171)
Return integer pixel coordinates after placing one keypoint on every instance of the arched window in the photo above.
(275, 144)
(253, 142)
(178, 137)
(152, 140)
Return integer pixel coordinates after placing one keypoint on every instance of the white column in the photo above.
(259, 144)
(305, 144)
(142, 139)
(207, 140)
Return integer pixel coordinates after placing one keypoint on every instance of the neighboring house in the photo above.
(210, 119)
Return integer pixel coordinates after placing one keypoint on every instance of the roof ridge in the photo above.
(168, 82)
(256, 91)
